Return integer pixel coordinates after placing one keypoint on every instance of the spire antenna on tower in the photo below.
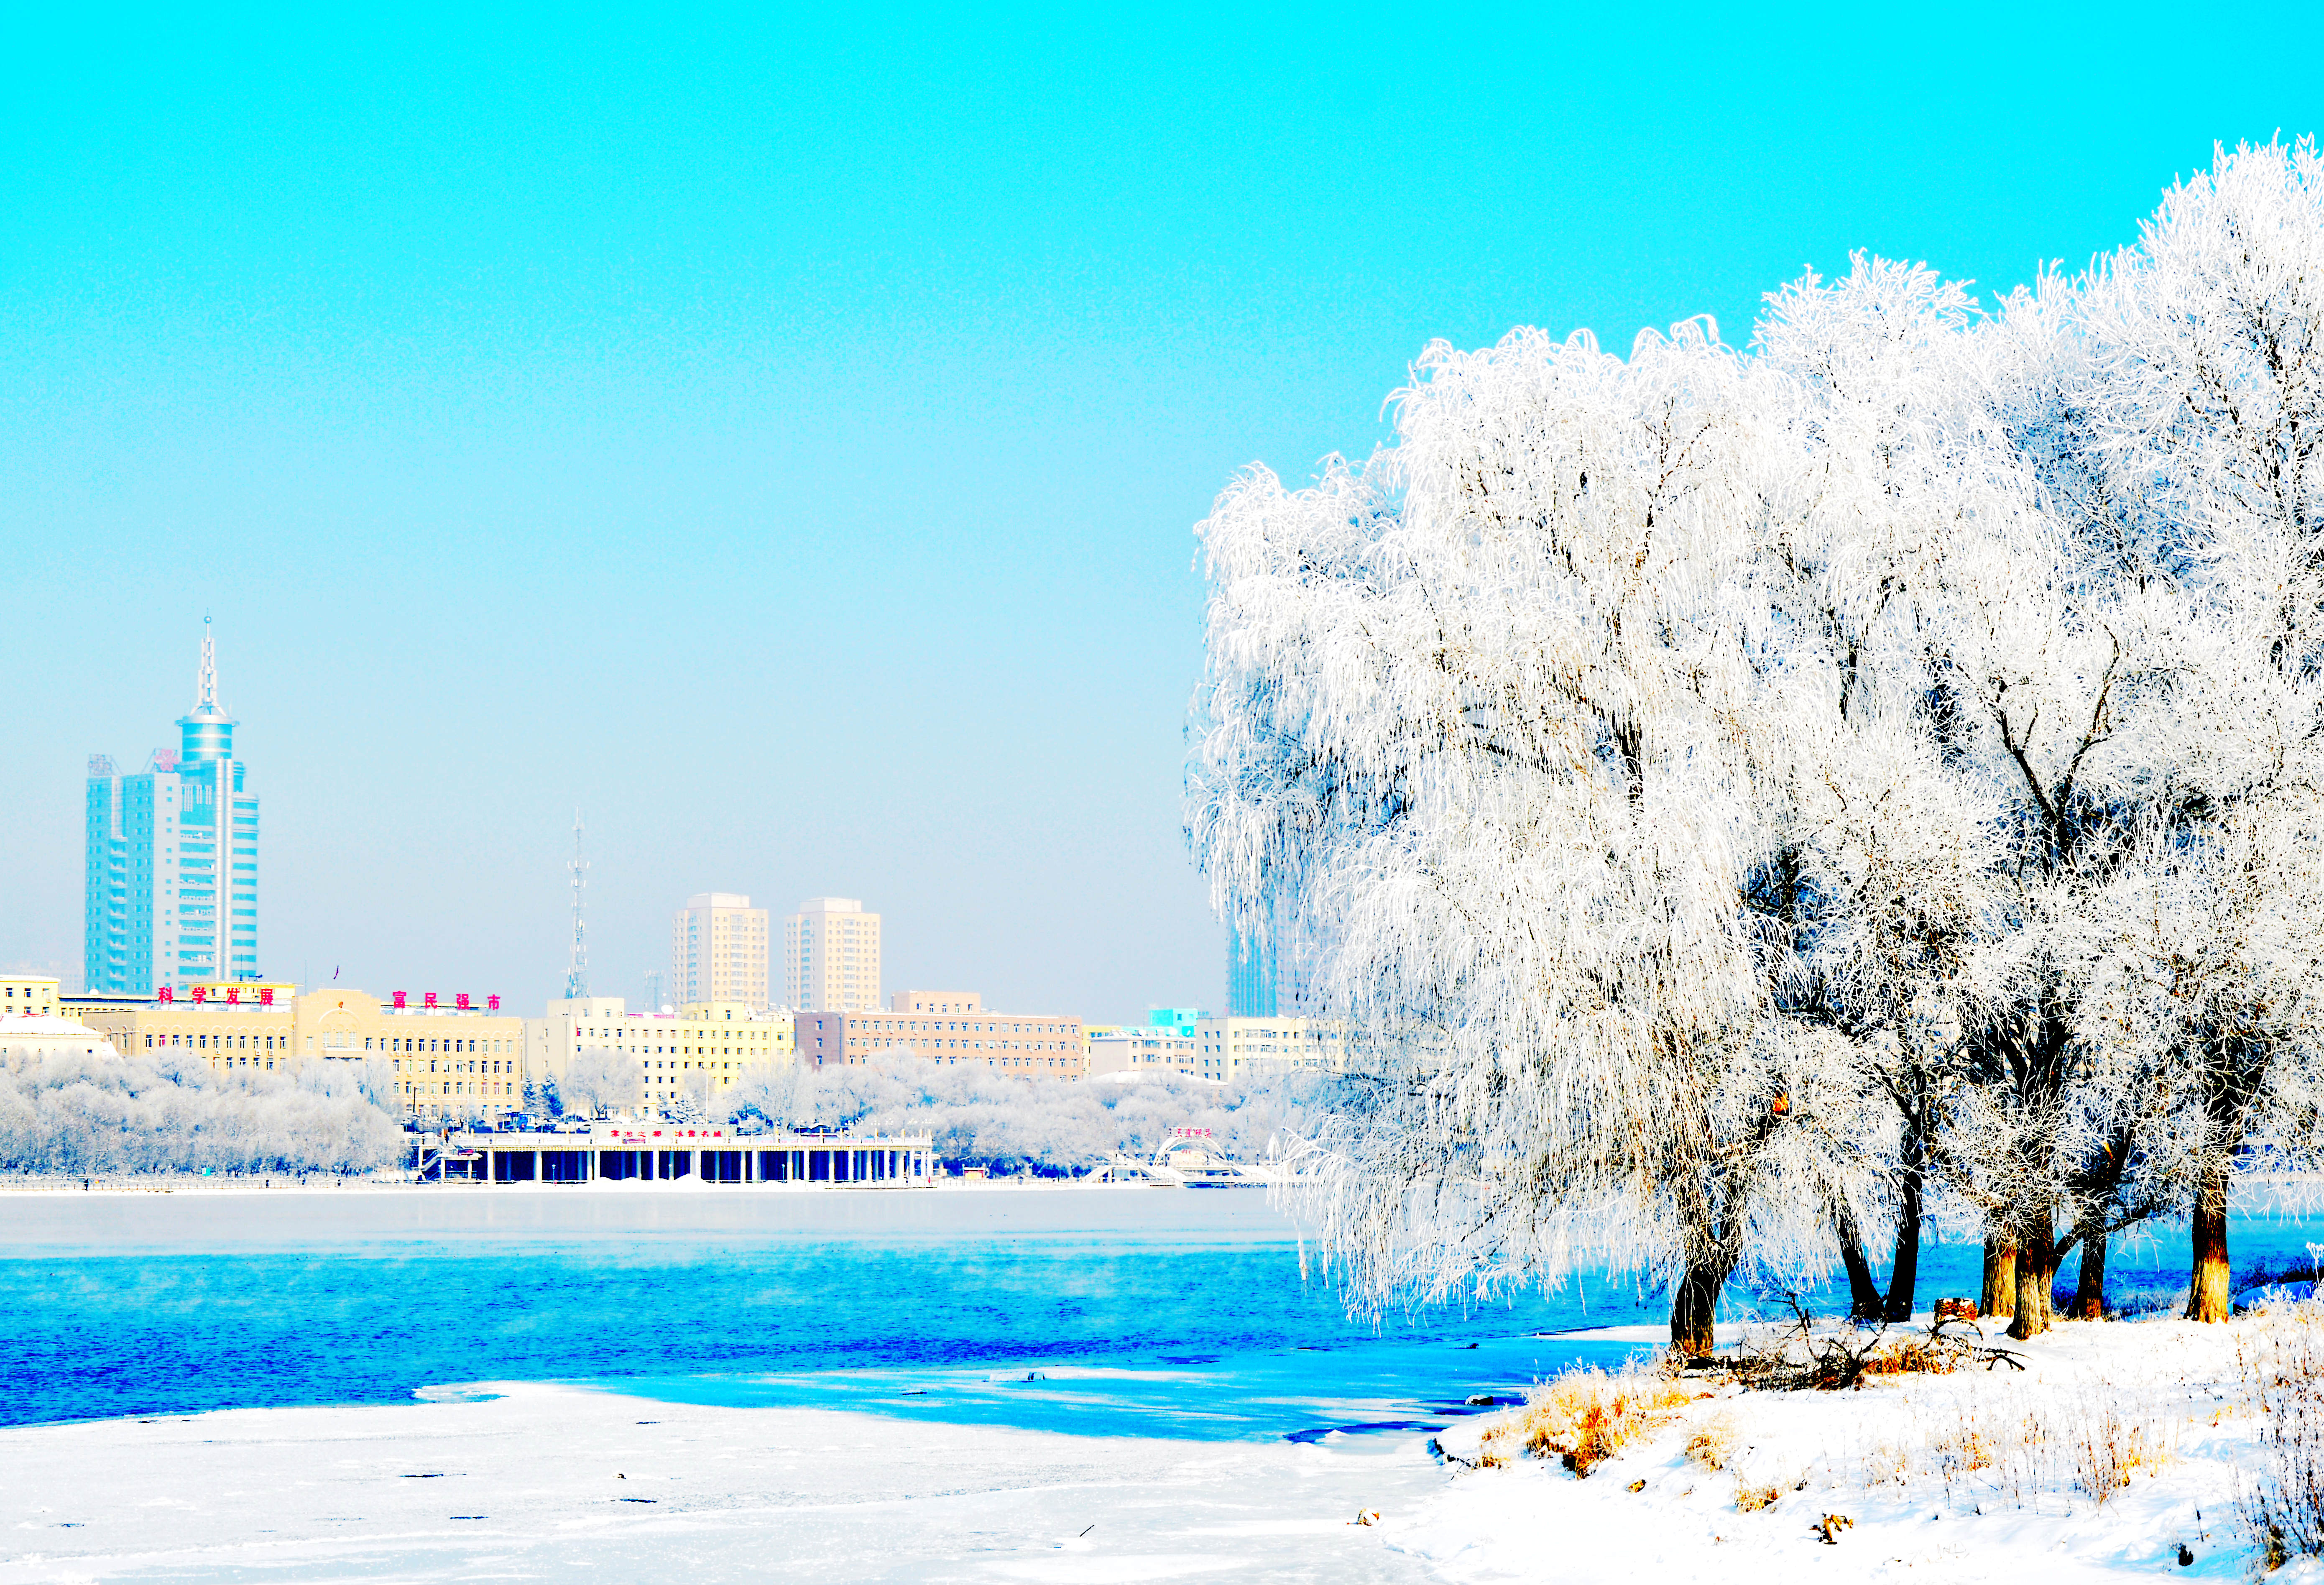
(577, 972)
(205, 686)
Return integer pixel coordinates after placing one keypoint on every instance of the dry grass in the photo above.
(1914, 1356)
(2024, 1443)
(1713, 1443)
(2109, 1437)
(1584, 1417)
(2282, 1367)
(1750, 1497)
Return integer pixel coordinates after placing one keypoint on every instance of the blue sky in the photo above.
(779, 435)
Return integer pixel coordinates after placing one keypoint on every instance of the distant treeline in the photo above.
(985, 1119)
(165, 1111)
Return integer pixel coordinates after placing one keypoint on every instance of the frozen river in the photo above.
(1099, 1311)
(1104, 1311)
(987, 1384)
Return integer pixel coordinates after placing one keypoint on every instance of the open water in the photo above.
(1100, 1312)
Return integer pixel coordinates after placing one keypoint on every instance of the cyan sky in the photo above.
(779, 435)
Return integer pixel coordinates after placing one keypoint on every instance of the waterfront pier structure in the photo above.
(660, 1151)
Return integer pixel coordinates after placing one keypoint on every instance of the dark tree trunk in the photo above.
(1691, 1309)
(2037, 1270)
(1863, 1293)
(1905, 1273)
(2209, 1294)
(2000, 1294)
(2089, 1290)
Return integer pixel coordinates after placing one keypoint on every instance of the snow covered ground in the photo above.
(550, 1481)
(1891, 1458)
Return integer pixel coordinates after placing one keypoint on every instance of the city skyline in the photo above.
(149, 921)
(802, 485)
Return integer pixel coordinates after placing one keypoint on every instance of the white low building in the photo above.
(40, 1036)
(1235, 1050)
(1149, 1050)
(662, 1150)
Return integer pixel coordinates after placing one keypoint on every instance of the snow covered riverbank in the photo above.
(2114, 1447)
(1962, 1477)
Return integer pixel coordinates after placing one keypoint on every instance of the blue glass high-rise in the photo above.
(172, 894)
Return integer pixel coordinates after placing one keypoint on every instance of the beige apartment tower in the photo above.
(718, 951)
(831, 957)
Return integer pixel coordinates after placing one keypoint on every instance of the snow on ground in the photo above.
(549, 1480)
(552, 1481)
(1889, 1457)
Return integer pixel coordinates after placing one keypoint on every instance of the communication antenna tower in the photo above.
(577, 973)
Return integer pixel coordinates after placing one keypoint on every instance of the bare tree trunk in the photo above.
(1905, 1273)
(1863, 1293)
(2208, 1294)
(1693, 1306)
(2037, 1270)
(2089, 1290)
(2000, 1295)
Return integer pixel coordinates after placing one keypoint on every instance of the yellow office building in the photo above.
(28, 995)
(703, 1050)
(448, 1059)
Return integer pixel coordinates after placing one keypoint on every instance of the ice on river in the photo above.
(549, 1480)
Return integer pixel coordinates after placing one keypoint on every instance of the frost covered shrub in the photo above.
(2024, 1442)
(985, 1119)
(2109, 1435)
(2283, 1374)
(167, 1112)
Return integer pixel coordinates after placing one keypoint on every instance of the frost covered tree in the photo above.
(167, 1111)
(1490, 706)
(2205, 424)
(1009, 1124)
(600, 1080)
(1747, 795)
(1883, 479)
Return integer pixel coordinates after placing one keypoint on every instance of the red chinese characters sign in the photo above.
(462, 1001)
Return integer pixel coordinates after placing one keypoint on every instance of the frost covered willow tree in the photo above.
(1739, 793)
(2206, 418)
(1884, 486)
(1490, 708)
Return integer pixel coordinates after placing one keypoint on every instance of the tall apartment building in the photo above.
(718, 951)
(831, 956)
(171, 887)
